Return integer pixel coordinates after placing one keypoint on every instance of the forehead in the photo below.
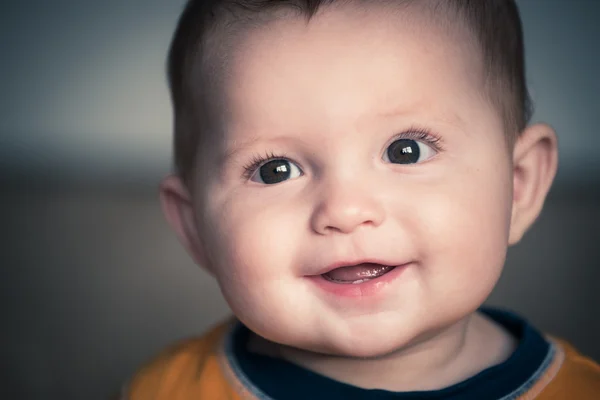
(348, 67)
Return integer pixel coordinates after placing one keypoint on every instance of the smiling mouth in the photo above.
(356, 274)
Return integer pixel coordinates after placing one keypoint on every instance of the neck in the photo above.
(439, 360)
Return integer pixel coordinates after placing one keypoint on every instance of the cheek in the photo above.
(468, 231)
(253, 244)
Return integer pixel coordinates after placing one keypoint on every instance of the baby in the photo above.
(352, 173)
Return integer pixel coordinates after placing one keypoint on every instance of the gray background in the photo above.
(93, 282)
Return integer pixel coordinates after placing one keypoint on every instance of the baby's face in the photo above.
(358, 138)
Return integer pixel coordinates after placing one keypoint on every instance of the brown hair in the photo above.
(199, 49)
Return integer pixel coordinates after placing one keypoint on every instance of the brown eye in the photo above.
(276, 171)
(408, 151)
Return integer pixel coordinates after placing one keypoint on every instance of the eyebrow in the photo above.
(446, 116)
(234, 147)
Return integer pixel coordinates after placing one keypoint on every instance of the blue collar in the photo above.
(276, 379)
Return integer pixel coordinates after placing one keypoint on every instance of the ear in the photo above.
(535, 160)
(178, 208)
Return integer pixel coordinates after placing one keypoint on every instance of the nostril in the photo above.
(345, 212)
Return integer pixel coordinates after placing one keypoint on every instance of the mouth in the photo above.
(357, 274)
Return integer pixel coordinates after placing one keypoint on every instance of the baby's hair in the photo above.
(207, 30)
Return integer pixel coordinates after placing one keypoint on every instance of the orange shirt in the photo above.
(199, 369)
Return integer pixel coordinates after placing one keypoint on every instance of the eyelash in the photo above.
(421, 134)
(258, 160)
(415, 133)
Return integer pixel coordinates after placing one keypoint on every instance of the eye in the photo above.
(276, 171)
(408, 151)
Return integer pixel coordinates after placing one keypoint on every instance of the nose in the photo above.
(344, 207)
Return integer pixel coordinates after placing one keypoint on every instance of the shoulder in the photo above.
(188, 368)
(578, 367)
(578, 376)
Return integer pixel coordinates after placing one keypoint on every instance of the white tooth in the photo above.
(359, 281)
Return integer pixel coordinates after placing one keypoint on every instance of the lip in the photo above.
(370, 289)
(341, 264)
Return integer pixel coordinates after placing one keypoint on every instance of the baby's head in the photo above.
(388, 138)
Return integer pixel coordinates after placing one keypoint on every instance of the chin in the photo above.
(367, 349)
(366, 344)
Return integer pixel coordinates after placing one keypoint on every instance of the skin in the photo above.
(331, 96)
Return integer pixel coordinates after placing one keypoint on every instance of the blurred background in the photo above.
(93, 283)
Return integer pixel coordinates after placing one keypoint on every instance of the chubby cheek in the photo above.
(466, 224)
(252, 249)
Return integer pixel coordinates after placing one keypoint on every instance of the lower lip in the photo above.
(364, 289)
